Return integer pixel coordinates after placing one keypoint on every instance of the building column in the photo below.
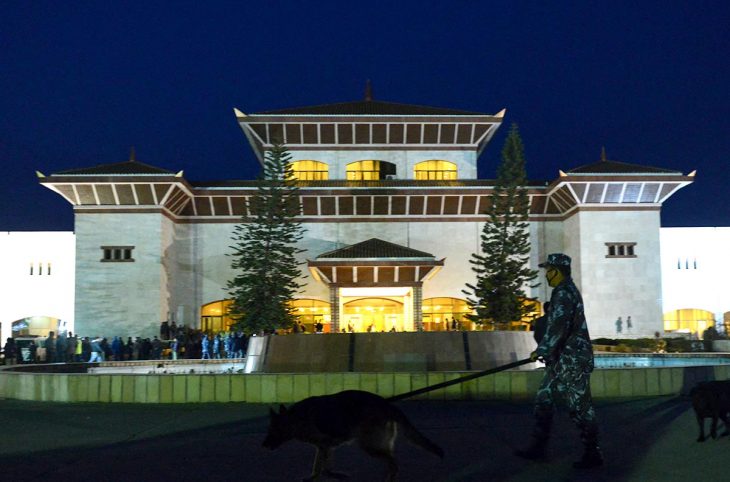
(334, 309)
(417, 307)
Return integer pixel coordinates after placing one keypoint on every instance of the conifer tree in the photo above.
(502, 266)
(265, 249)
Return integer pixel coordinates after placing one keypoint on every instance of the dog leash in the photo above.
(463, 379)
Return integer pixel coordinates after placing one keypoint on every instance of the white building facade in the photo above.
(392, 210)
(37, 282)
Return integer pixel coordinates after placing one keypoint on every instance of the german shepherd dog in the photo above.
(711, 400)
(332, 420)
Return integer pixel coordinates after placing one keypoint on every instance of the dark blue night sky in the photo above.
(81, 82)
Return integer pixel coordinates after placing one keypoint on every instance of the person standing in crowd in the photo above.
(117, 348)
(50, 346)
(60, 348)
(629, 324)
(228, 344)
(106, 349)
(128, 349)
(165, 330)
(146, 349)
(97, 353)
(217, 347)
(174, 345)
(242, 344)
(156, 349)
(79, 350)
(204, 348)
(10, 351)
(619, 325)
(70, 347)
(568, 354)
(85, 348)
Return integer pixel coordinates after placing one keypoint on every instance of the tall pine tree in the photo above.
(502, 267)
(265, 249)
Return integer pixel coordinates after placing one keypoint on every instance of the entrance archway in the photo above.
(373, 315)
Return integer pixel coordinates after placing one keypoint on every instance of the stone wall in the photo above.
(288, 387)
(412, 351)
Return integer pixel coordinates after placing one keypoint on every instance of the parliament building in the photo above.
(392, 211)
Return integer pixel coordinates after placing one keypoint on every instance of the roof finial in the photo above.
(603, 153)
(368, 91)
(132, 155)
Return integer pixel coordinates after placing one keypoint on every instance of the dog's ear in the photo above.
(282, 409)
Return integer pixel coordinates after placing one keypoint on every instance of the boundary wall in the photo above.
(291, 387)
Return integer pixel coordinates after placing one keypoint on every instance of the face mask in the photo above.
(554, 277)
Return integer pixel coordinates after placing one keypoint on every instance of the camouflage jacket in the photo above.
(566, 344)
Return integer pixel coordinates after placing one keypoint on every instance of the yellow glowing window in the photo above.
(310, 171)
(363, 171)
(214, 317)
(688, 320)
(435, 170)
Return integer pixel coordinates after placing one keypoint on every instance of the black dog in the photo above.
(711, 400)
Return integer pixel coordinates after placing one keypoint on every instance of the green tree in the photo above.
(502, 266)
(265, 249)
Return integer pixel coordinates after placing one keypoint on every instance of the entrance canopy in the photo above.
(374, 263)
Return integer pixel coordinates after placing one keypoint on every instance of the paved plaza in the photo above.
(643, 440)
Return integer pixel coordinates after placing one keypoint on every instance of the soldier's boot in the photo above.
(592, 456)
(540, 435)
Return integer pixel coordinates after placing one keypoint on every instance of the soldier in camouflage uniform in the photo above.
(568, 355)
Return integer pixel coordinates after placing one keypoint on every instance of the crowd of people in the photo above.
(172, 344)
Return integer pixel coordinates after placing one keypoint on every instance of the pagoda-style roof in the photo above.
(374, 263)
(132, 167)
(617, 167)
(368, 124)
(374, 248)
(370, 107)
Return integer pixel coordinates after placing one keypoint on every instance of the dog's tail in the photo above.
(417, 438)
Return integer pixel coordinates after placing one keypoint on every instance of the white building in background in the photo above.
(695, 267)
(392, 212)
(36, 282)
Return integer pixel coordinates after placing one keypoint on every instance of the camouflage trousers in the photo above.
(572, 386)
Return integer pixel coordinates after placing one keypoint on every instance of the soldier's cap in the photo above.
(556, 259)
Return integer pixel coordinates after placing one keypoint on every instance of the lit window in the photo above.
(370, 170)
(435, 170)
(116, 254)
(310, 171)
(621, 250)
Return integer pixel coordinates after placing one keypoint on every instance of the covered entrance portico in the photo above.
(375, 285)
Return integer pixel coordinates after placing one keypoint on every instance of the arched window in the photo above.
(311, 311)
(214, 317)
(310, 170)
(688, 320)
(444, 314)
(370, 170)
(435, 170)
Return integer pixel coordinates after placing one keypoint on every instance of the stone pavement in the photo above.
(643, 440)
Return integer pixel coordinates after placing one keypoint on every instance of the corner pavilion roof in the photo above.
(131, 167)
(126, 168)
(605, 166)
(370, 107)
(375, 248)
